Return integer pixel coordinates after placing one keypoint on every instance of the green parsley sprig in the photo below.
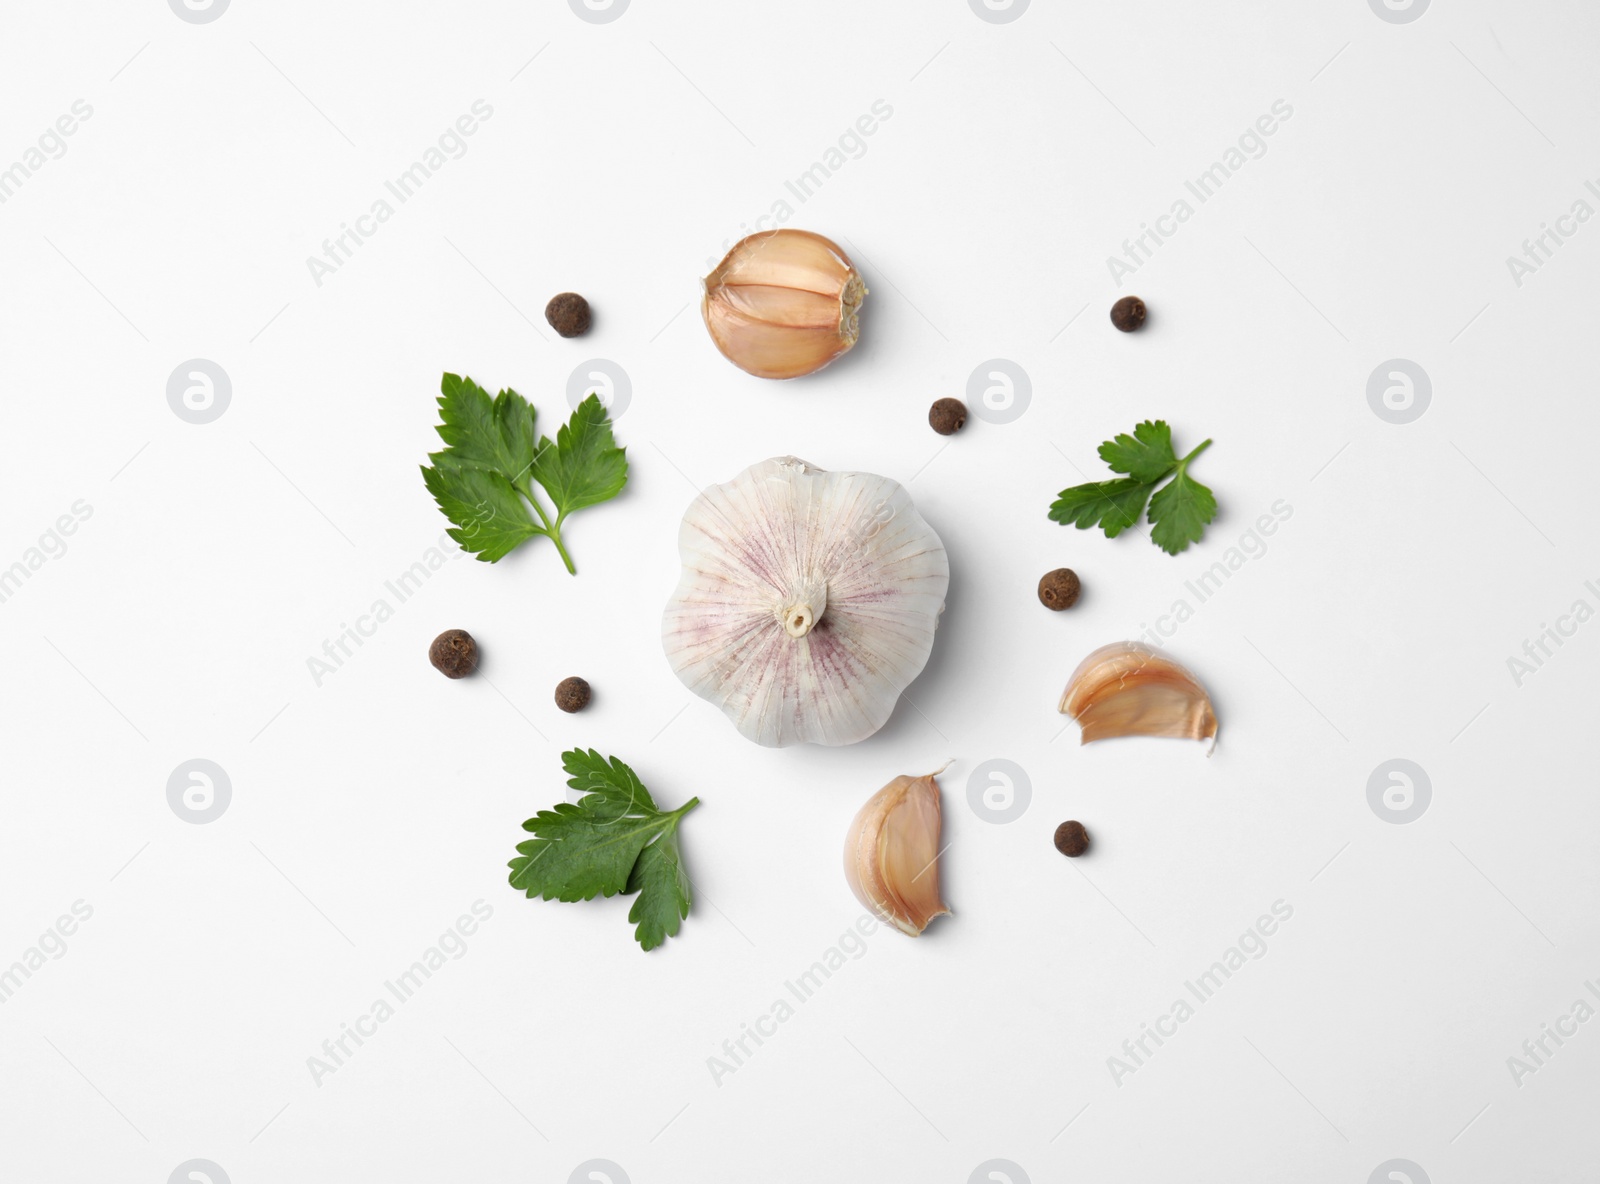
(1179, 510)
(484, 480)
(616, 839)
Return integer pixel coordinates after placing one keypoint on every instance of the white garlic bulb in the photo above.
(807, 603)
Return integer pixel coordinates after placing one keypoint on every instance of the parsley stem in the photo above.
(1204, 445)
(555, 537)
(552, 530)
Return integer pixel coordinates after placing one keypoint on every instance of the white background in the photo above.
(370, 811)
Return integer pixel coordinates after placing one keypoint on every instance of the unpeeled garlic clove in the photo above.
(783, 303)
(891, 855)
(1128, 689)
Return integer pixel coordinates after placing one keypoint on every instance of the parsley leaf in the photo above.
(1179, 511)
(615, 839)
(585, 467)
(483, 480)
(1146, 456)
(663, 890)
(489, 435)
(1112, 505)
(493, 516)
(611, 789)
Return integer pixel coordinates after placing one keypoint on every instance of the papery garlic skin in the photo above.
(808, 601)
(1128, 689)
(891, 855)
(783, 303)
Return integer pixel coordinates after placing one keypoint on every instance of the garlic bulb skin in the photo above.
(891, 855)
(783, 303)
(1128, 689)
(808, 601)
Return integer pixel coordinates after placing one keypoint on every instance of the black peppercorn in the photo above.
(1059, 589)
(568, 314)
(1071, 839)
(1128, 313)
(453, 653)
(947, 416)
(572, 694)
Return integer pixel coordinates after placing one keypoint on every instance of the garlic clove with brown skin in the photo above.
(783, 303)
(891, 855)
(1128, 689)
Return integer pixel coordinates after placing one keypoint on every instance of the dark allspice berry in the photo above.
(572, 694)
(568, 314)
(1071, 839)
(947, 416)
(1128, 313)
(1059, 589)
(453, 653)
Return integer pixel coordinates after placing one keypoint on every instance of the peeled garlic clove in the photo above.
(807, 603)
(1128, 689)
(891, 855)
(783, 303)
